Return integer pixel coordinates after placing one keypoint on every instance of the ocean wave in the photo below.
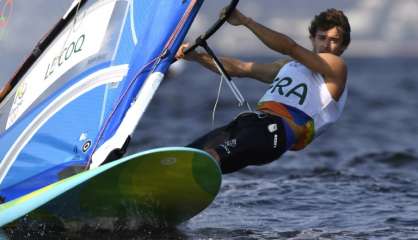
(394, 159)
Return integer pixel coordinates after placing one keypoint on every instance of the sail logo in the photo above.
(6, 9)
(21, 91)
(73, 48)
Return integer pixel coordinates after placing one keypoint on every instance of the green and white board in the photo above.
(161, 187)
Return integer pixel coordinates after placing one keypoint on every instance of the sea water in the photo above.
(359, 180)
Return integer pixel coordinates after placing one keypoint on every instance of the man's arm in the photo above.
(282, 43)
(264, 72)
(330, 66)
(4, 91)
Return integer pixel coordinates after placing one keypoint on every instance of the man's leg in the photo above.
(250, 139)
(212, 139)
(254, 139)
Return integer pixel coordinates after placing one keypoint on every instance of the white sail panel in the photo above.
(81, 39)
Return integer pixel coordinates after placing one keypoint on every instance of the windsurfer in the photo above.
(306, 96)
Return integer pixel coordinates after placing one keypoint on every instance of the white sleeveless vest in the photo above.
(299, 87)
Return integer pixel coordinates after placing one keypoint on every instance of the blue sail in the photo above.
(82, 98)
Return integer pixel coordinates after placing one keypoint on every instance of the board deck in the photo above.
(159, 187)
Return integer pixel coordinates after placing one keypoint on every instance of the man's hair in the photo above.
(329, 19)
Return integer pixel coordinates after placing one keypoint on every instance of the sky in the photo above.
(380, 28)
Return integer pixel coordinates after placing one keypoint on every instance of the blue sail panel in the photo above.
(82, 98)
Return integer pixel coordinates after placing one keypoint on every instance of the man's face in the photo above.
(329, 41)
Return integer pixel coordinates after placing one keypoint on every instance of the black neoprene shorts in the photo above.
(250, 139)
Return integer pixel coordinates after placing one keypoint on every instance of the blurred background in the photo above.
(380, 28)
